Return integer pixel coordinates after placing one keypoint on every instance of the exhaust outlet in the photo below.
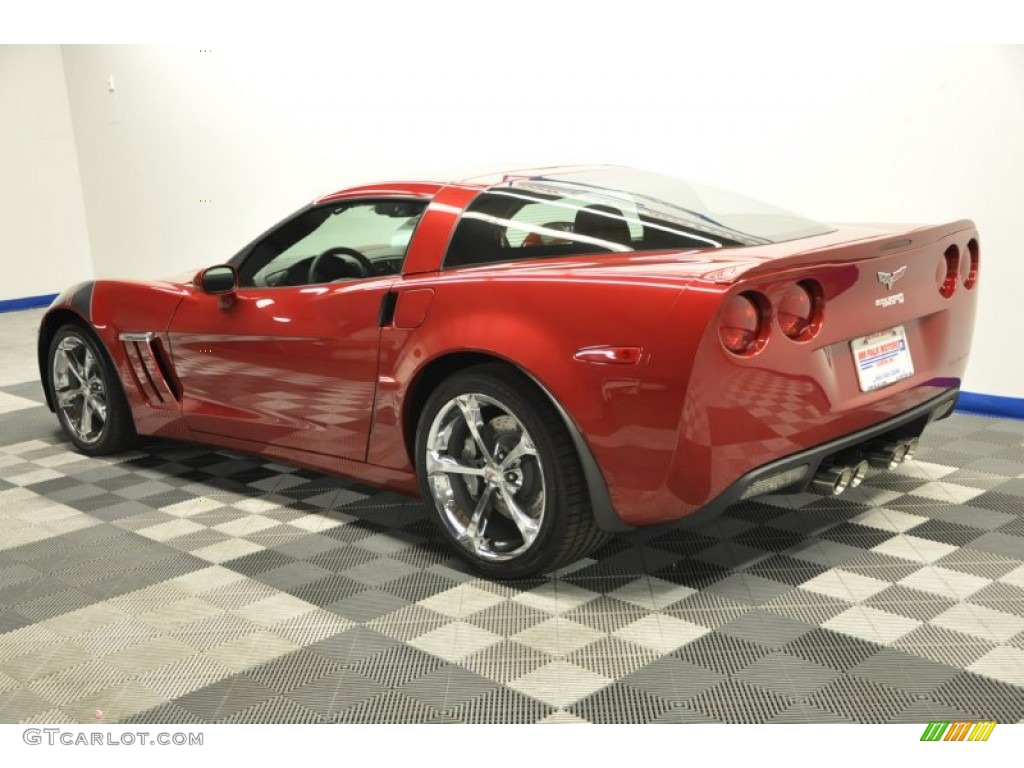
(887, 455)
(832, 481)
(860, 471)
(912, 446)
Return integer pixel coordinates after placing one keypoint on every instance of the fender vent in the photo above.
(153, 374)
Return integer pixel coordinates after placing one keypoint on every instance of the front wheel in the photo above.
(499, 468)
(87, 394)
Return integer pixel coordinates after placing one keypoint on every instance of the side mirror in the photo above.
(221, 280)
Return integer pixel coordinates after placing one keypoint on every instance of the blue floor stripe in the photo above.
(991, 405)
(28, 302)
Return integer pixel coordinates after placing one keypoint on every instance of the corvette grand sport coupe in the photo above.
(547, 356)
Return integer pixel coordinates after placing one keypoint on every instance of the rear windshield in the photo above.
(613, 210)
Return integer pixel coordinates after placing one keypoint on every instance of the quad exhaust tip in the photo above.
(888, 455)
(912, 445)
(860, 471)
(834, 479)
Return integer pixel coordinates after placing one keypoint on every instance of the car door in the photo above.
(290, 357)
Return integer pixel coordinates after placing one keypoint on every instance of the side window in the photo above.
(537, 224)
(338, 241)
(504, 226)
(551, 217)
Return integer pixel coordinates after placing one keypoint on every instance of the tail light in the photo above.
(743, 328)
(947, 273)
(971, 268)
(800, 309)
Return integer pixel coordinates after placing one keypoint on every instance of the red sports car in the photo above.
(548, 356)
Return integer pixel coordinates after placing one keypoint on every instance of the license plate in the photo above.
(882, 358)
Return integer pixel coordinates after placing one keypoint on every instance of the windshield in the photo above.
(613, 210)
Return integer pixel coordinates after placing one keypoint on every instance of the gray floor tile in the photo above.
(448, 687)
(906, 671)
(766, 629)
(367, 605)
(750, 589)
(673, 679)
(620, 703)
(336, 692)
(861, 700)
(224, 698)
(1011, 547)
(788, 675)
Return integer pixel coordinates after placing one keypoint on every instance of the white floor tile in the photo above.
(871, 624)
(315, 523)
(12, 403)
(274, 609)
(246, 526)
(979, 621)
(651, 593)
(889, 520)
(1002, 663)
(171, 529)
(205, 579)
(251, 650)
(1014, 577)
(845, 585)
(914, 548)
(945, 582)
(555, 597)
(192, 507)
(947, 492)
(560, 683)
(227, 550)
(455, 641)
(558, 636)
(661, 633)
(924, 470)
(461, 601)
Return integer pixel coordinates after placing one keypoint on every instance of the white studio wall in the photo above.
(186, 154)
(42, 215)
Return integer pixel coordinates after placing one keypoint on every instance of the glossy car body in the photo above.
(333, 375)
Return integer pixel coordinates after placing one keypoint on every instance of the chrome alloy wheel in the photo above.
(485, 476)
(79, 389)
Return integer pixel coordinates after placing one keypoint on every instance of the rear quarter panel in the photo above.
(537, 321)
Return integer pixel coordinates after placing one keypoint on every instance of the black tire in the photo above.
(566, 530)
(117, 430)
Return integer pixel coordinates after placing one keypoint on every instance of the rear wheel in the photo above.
(499, 468)
(87, 394)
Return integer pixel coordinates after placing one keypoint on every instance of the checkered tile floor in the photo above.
(181, 584)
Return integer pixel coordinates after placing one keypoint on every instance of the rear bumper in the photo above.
(908, 424)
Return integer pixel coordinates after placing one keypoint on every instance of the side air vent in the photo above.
(153, 374)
